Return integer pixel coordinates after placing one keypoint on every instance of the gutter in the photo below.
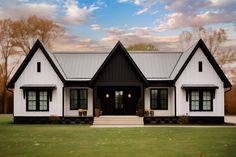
(230, 88)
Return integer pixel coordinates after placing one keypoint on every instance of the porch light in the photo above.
(107, 95)
(129, 95)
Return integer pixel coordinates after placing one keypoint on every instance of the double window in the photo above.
(201, 100)
(78, 99)
(37, 100)
(159, 99)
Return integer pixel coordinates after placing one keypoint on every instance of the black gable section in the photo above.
(211, 59)
(118, 69)
(27, 59)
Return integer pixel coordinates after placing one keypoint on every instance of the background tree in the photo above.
(214, 40)
(142, 47)
(7, 51)
(16, 39)
(26, 32)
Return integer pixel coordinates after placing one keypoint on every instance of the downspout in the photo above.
(12, 100)
(175, 99)
(63, 102)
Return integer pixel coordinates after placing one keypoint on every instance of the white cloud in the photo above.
(95, 27)
(142, 11)
(77, 15)
(15, 9)
(190, 13)
(146, 5)
(70, 43)
(136, 35)
(154, 12)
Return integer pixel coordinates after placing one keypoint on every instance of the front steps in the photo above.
(114, 121)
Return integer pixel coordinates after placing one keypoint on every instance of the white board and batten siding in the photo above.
(74, 113)
(31, 76)
(191, 75)
(171, 102)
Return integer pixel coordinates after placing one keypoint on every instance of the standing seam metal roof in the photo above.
(83, 66)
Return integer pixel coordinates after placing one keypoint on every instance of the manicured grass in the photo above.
(76, 140)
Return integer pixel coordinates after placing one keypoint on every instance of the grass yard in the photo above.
(76, 140)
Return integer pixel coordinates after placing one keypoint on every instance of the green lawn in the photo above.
(76, 140)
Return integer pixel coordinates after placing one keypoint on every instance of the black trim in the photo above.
(211, 59)
(158, 99)
(200, 100)
(119, 44)
(37, 45)
(161, 83)
(78, 98)
(37, 101)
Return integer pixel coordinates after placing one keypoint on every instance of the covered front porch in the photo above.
(119, 100)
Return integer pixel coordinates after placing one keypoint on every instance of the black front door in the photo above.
(119, 100)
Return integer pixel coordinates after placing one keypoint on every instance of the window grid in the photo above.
(78, 99)
(37, 100)
(201, 100)
(159, 99)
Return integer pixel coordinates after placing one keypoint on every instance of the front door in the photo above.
(119, 100)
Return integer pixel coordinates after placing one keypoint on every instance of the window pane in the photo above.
(43, 100)
(31, 95)
(74, 99)
(206, 104)
(31, 100)
(118, 99)
(83, 98)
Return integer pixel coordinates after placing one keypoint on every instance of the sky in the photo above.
(98, 25)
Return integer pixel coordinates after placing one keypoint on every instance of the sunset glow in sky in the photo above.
(98, 25)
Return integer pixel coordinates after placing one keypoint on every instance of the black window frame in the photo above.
(37, 100)
(38, 66)
(78, 99)
(200, 66)
(200, 100)
(158, 99)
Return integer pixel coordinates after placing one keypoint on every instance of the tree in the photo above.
(7, 51)
(26, 32)
(16, 38)
(214, 40)
(142, 47)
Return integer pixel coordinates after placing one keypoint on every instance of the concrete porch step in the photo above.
(118, 120)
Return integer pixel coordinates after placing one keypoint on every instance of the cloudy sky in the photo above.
(97, 25)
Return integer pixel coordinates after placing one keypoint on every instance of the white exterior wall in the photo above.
(31, 76)
(74, 113)
(191, 75)
(171, 102)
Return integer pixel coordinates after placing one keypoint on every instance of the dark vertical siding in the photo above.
(119, 71)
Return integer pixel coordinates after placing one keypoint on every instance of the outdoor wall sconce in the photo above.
(129, 95)
(107, 95)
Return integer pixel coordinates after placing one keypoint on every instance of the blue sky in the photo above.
(98, 25)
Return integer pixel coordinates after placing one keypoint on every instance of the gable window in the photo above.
(159, 99)
(78, 99)
(201, 100)
(200, 66)
(38, 66)
(37, 100)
